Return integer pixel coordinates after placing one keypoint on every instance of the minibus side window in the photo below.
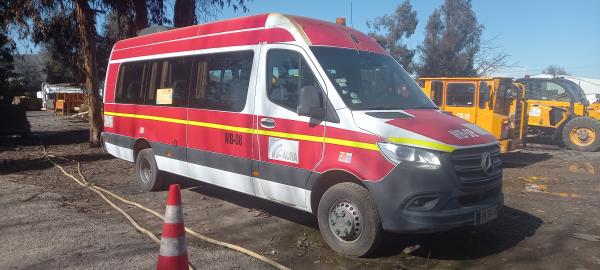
(130, 83)
(484, 94)
(460, 94)
(437, 92)
(222, 81)
(169, 82)
(287, 73)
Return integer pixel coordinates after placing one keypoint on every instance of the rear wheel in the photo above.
(147, 174)
(582, 134)
(349, 221)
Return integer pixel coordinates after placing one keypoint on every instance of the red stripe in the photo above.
(171, 230)
(227, 40)
(172, 262)
(174, 196)
(204, 29)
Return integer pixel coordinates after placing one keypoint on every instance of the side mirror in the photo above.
(310, 102)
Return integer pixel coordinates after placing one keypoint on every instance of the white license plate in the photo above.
(486, 215)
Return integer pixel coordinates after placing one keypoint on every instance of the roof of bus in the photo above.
(251, 30)
(464, 78)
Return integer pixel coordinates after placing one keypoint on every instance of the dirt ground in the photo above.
(551, 219)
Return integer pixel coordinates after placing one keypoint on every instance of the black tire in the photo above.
(367, 222)
(585, 123)
(146, 171)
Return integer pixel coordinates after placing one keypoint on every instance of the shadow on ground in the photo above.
(41, 163)
(246, 201)
(512, 227)
(523, 159)
(50, 138)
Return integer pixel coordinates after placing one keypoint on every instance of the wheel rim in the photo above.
(145, 170)
(345, 221)
(582, 136)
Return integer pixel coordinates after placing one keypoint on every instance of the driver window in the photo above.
(556, 92)
(484, 94)
(287, 73)
(460, 94)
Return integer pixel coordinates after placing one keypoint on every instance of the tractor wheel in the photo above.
(582, 134)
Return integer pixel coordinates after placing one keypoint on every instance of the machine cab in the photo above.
(495, 104)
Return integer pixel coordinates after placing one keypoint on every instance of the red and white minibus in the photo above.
(302, 112)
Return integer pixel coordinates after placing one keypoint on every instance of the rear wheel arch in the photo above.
(139, 145)
(327, 180)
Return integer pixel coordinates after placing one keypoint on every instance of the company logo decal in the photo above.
(487, 164)
(283, 150)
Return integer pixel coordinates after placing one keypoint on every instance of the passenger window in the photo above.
(130, 83)
(460, 94)
(484, 94)
(287, 73)
(222, 81)
(169, 82)
(437, 92)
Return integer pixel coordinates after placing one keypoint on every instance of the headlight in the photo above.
(416, 157)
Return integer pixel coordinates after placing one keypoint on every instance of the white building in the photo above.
(590, 86)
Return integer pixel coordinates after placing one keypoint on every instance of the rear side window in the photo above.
(287, 73)
(169, 81)
(460, 94)
(130, 86)
(222, 81)
(437, 92)
(484, 94)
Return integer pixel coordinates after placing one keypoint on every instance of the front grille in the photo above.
(468, 166)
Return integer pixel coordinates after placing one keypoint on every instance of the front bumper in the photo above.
(456, 206)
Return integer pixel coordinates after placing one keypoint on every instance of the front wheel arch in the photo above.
(326, 181)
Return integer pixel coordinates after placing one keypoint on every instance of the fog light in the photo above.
(423, 203)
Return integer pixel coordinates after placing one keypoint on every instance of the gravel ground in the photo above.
(551, 216)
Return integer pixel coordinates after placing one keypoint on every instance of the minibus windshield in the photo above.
(370, 81)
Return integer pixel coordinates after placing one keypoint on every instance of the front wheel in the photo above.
(582, 134)
(349, 221)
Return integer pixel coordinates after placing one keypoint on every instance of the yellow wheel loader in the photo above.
(559, 108)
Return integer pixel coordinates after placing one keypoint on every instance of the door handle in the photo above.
(267, 123)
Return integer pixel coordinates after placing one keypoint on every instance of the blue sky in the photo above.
(535, 33)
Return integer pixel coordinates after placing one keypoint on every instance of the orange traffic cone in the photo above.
(173, 251)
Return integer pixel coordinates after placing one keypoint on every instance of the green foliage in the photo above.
(390, 30)
(452, 41)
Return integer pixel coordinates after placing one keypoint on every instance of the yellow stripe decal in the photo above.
(427, 144)
(303, 137)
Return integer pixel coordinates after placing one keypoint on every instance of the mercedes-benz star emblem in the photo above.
(487, 164)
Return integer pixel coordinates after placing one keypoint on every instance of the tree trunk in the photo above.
(87, 31)
(141, 14)
(184, 13)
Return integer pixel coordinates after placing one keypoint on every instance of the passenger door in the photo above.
(289, 146)
(460, 100)
(220, 120)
